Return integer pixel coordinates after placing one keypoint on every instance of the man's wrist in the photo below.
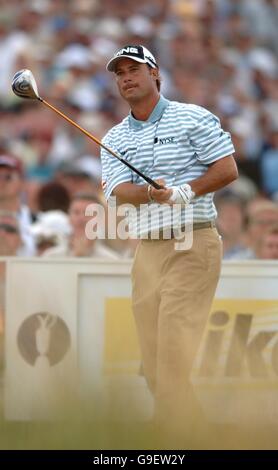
(149, 190)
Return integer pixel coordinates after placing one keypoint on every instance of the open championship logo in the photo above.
(43, 335)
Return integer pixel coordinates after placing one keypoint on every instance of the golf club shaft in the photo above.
(97, 141)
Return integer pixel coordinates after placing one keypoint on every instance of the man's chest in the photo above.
(157, 146)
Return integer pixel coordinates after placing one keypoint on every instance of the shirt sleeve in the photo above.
(209, 140)
(114, 172)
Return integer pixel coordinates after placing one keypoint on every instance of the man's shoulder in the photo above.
(116, 131)
(193, 110)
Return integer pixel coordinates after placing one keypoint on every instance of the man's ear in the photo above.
(155, 73)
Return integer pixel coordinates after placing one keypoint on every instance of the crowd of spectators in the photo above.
(220, 54)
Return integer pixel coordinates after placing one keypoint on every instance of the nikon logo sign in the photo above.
(240, 341)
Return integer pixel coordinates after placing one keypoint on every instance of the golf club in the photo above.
(24, 86)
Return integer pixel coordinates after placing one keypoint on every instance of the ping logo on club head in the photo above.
(43, 335)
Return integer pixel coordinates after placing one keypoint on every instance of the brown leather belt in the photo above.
(173, 234)
(199, 225)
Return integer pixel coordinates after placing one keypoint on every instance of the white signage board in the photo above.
(56, 345)
(70, 335)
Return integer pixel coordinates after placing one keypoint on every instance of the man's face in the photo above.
(77, 216)
(135, 81)
(261, 222)
(269, 248)
(10, 183)
(230, 219)
(10, 239)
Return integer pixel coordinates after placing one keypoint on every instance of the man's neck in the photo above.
(143, 109)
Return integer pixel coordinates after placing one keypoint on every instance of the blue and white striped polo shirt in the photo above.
(177, 143)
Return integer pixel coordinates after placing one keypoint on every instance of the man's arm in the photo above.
(218, 175)
(131, 193)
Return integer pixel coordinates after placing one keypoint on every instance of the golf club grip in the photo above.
(97, 141)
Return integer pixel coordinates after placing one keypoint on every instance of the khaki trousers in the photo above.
(172, 295)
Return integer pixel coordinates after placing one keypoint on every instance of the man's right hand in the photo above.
(161, 196)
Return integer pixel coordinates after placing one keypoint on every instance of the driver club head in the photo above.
(24, 85)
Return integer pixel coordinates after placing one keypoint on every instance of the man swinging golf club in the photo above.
(184, 156)
(183, 148)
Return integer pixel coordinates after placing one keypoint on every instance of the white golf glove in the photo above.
(181, 194)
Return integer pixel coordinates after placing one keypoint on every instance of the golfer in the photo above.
(184, 149)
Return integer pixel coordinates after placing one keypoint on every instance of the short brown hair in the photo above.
(53, 196)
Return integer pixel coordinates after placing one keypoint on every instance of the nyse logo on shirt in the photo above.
(165, 140)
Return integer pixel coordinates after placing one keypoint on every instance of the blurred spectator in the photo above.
(52, 229)
(221, 54)
(10, 245)
(268, 248)
(262, 215)
(53, 196)
(10, 237)
(230, 223)
(79, 244)
(269, 164)
(11, 190)
(80, 175)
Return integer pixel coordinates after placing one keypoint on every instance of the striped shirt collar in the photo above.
(155, 115)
